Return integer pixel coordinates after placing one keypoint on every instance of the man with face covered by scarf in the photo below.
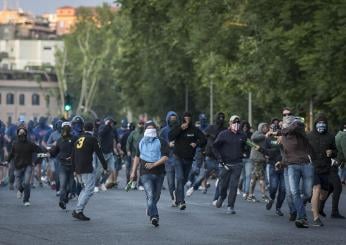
(22, 153)
(63, 152)
(229, 148)
(151, 155)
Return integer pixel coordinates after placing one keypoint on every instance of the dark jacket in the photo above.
(82, 154)
(63, 150)
(248, 134)
(23, 152)
(211, 133)
(229, 146)
(106, 138)
(320, 144)
(183, 138)
(273, 150)
(296, 146)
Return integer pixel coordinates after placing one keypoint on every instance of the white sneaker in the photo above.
(216, 182)
(238, 192)
(19, 194)
(214, 203)
(201, 188)
(188, 184)
(189, 192)
(96, 189)
(141, 188)
(244, 195)
(27, 204)
(103, 187)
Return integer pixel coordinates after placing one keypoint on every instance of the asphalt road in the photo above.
(118, 217)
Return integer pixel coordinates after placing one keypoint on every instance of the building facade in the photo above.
(27, 95)
(23, 54)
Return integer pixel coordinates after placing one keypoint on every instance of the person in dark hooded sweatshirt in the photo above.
(186, 138)
(63, 152)
(323, 144)
(211, 163)
(22, 153)
(335, 184)
(171, 121)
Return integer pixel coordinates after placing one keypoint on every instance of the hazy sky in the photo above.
(49, 6)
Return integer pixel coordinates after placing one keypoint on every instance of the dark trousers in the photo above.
(335, 187)
(229, 180)
(182, 170)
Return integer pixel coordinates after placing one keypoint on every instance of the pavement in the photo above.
(118, 217)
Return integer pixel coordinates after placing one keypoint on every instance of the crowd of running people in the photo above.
(77, 158)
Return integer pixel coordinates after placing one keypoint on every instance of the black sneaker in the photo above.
(337, 216)
(62, 205)
(278, 212)
(292, 217)
(322, 213)
(302, 223)
(182, 206)
(80, 216)
(317, 222)
(269, 204)
(154, 221)
(219, 203)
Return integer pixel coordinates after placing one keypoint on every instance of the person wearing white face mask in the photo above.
(152, 153)
(229, 148)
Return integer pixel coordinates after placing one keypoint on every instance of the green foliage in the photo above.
(286, 54)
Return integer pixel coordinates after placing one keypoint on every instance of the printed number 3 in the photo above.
(80, 142)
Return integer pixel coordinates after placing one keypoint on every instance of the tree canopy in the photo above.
(152, 55)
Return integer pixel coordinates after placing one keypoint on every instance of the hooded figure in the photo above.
(171, 121)
(259, 138)
(212, 132)
(321, 141)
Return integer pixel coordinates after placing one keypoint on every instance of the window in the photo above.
(10, 99)
(35, 99)
(21, 99)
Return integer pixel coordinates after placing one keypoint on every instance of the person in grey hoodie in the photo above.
(259, 161)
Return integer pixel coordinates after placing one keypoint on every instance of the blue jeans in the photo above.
(289, 197)
(170, 175)
(152, 184)
(210, 167)
(296, 172)
(182, 170)
(66, 182)
(247, 170)
(22, 180)
(276, 183)
(342, 173)
(88, 185)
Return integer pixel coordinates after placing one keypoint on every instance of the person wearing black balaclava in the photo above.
(186, 138)
(22, 154)
(171, 122)
(211, 163)
(323, 144)
(63, 152)
(334, 182)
